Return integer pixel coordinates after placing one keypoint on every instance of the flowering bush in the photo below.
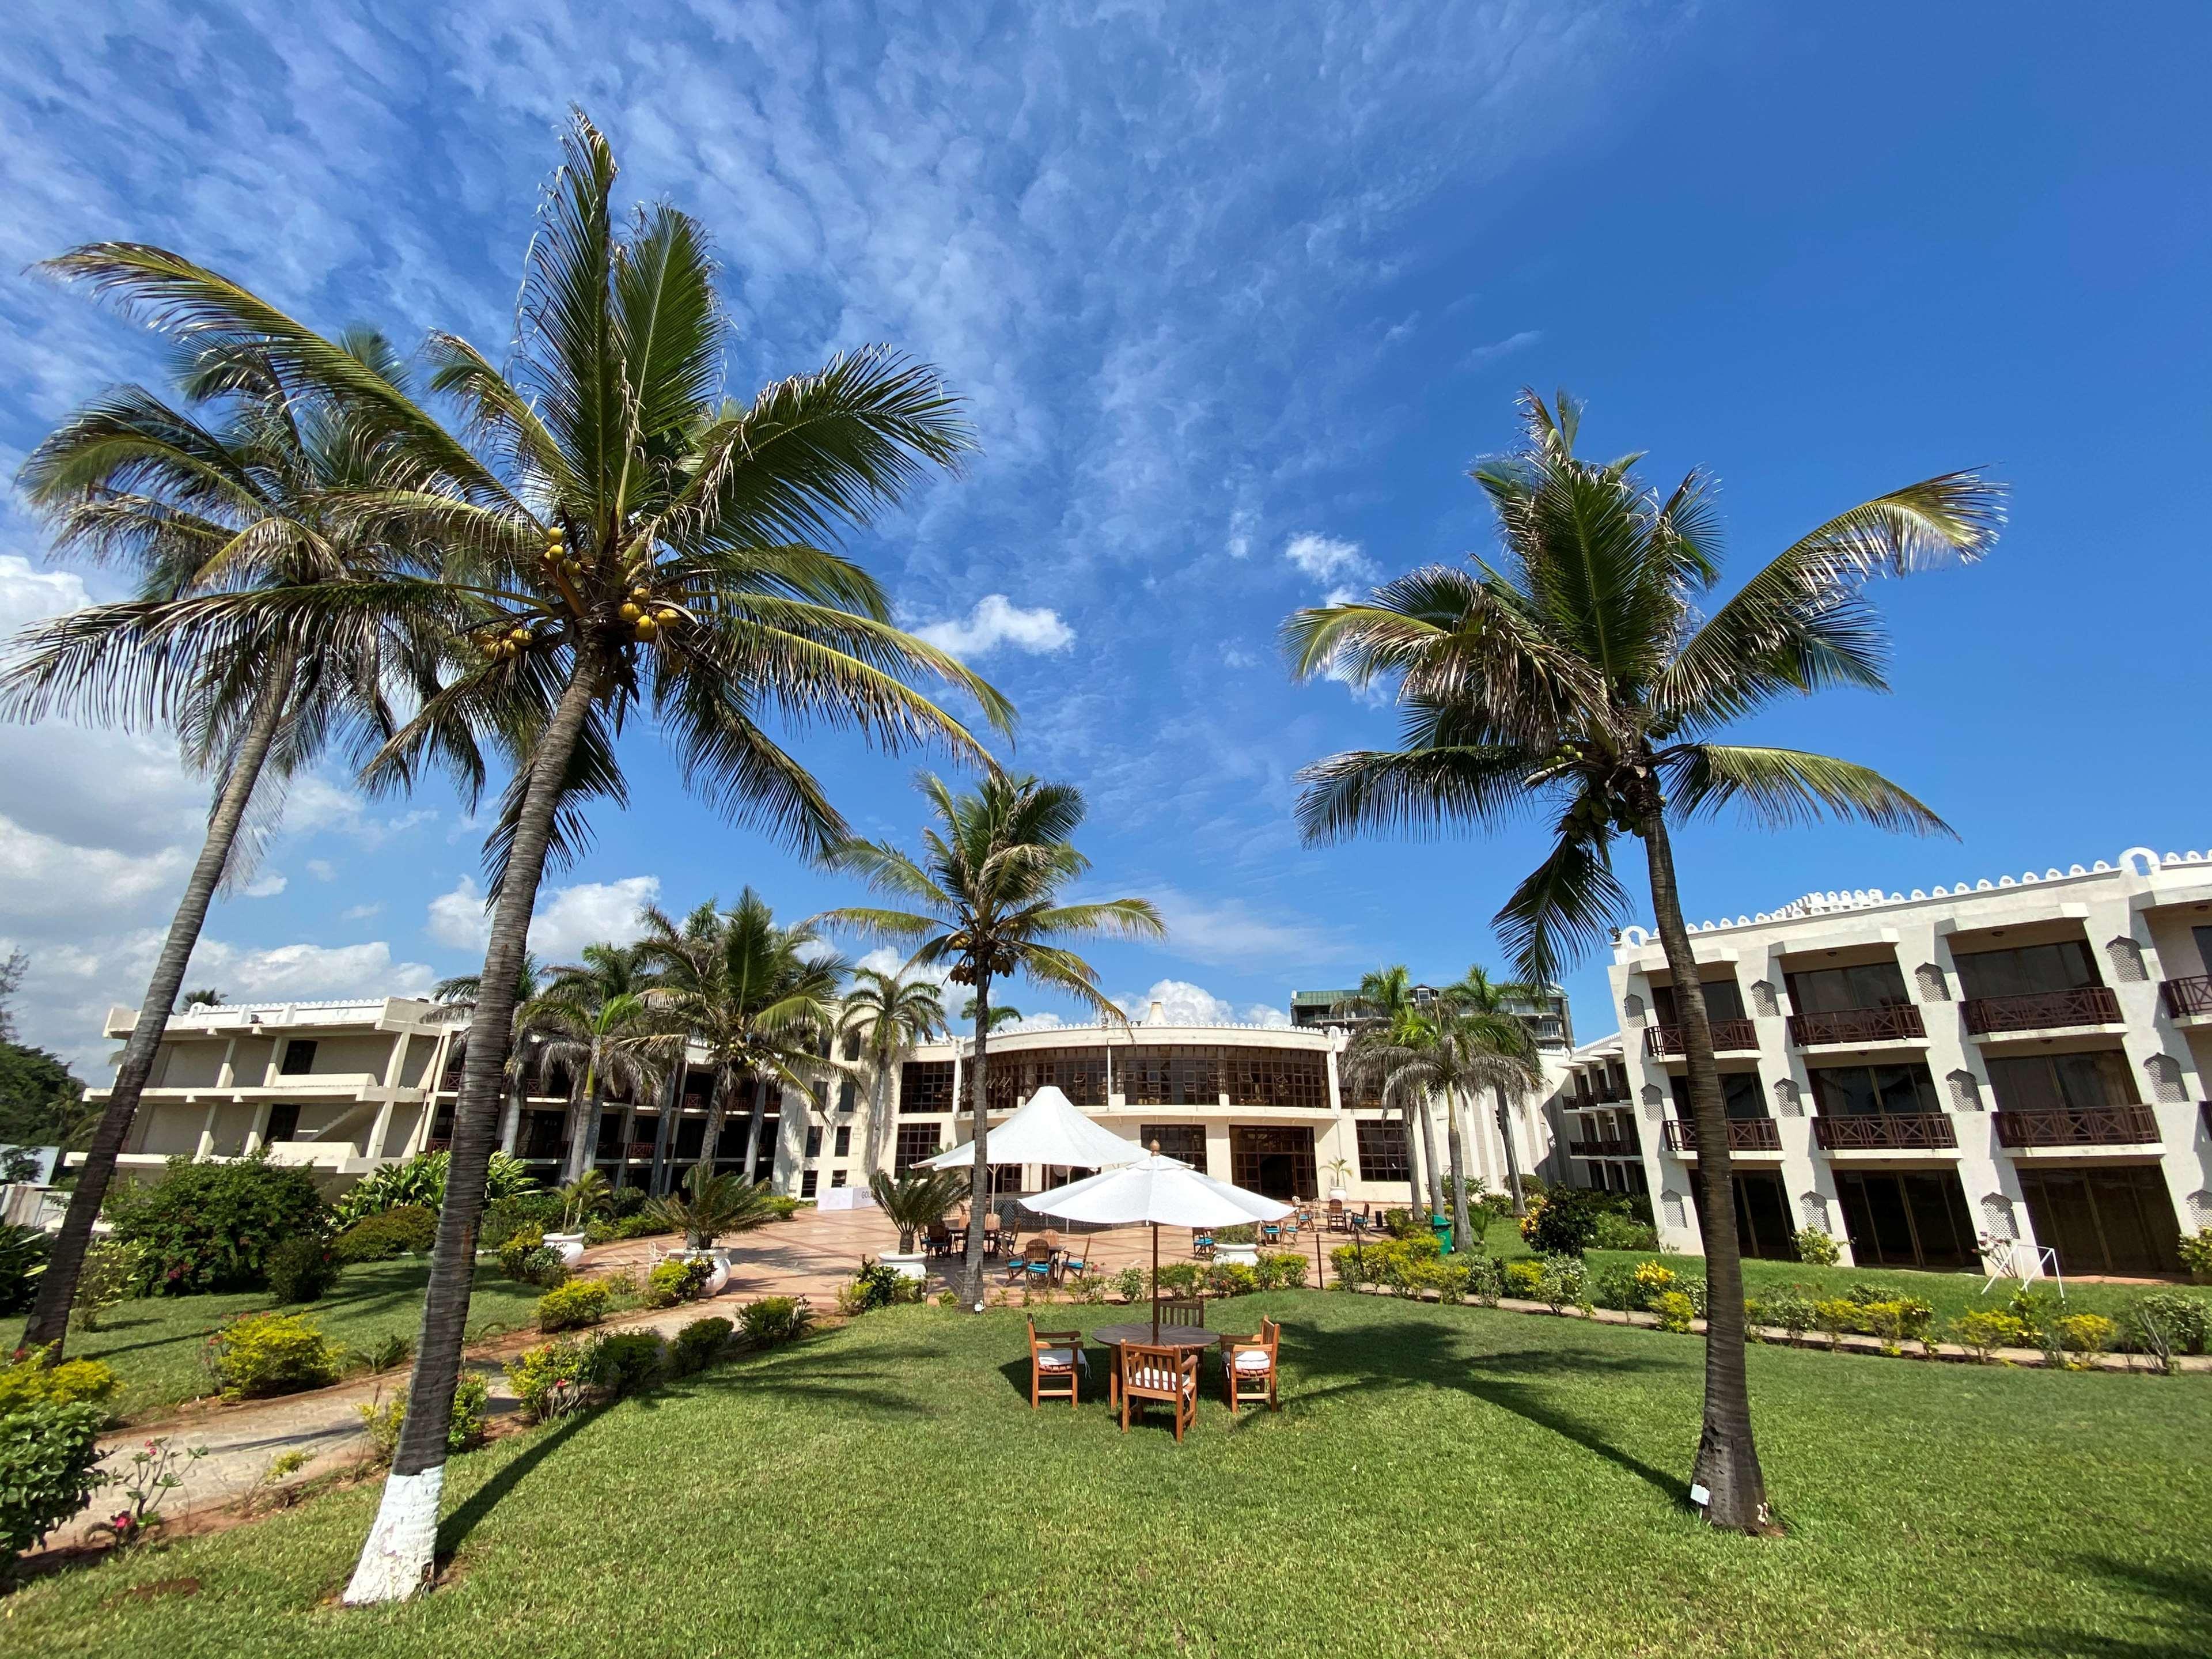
(1653, 1279)
(552, 1378)
(2196, 1254)
(256, 1355)
(211, 1226)
(2087, 1335)
(672, 1282)
(1561, 1283)
(26, 1380)
(1815, 1248)
(1674, 1310)
(569, 1307)
(1231, 1279)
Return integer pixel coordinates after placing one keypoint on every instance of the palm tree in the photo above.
(230, 510)
(758, 996)
(891, 1013)
(712, 1206)
(1388, 994)
(525, 1039)
(1004, 1014)
(1488, 1005)
(600, 1030)
(1578, 678)
(1456, 1052)
(632, 544)
(987, 890)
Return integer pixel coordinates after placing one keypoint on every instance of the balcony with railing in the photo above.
(1745, 1134)
(2077, 1125)
(2187, 998)
(2042, 1010)
(1729, 1036)
(1861, 1027)
(1615, 1147)
(1886, 1131)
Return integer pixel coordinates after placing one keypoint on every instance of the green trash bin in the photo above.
(1442, 1227)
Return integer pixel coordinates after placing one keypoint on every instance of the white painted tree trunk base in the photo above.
(396, 1562)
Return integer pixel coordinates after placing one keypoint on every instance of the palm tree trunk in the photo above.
(1429, 1156)
(396, 1560)
(1462, 1233)
(1512, 1157)
(587, 1152)
(628, 1128)
(510, 1125)
(753, 1130)
(1413, 1162)
(48, 1324)
(717, 1110)
(1727, 1466)
(664, 1132)
(979, 1179)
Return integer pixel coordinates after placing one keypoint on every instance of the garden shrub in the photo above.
(109, 1277)
(2196, 1254)
(49, 1468)
(301, 1268)
(382, 1420)
(1486, 1279)
(877, 1286)
(1561, 1283)
(1247, 1232)
(1564, 1222)
(782, 1206)
(1614, 1286)
(774, 1319)
(1985, 1330)
(1834, 1314)
(1232, 1278)
(551, 1379)
(1129, 1284)
(1179, 1277)
(1619, 1232)
(27, 1381)
(1449, 1279)
(419, 1182)
(1674, 1310)
(675, 1281)
(1815, 1248)
(1524, 1277)
(1788, 1308)
(2184, 1320)
(1896, 1319)
(404, 1229)
(510, 1216)
(1653, 1279)
(629, 1361)
(1286, 1272)
(210, 1226)
(22, 1259)
(698, 1345)
(257, 1355)
(572, 1306)
(2086, 1334)
(1088, 1288)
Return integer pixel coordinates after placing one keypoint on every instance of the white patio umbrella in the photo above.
(1049, 1129)
(1161, 1191)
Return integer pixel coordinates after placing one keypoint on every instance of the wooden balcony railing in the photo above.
(2078, 1126)
(1729, 1035)
(1896, 1024)
(438, 1144)
(1745, 1134)
(2085, 1005)
(1605, 1149)
(638, 1151)
(2185, 997)
(1885, 1132)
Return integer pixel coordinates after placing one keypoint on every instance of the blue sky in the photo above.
(1235, 295)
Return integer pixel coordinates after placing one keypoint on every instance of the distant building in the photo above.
(1546, 1018)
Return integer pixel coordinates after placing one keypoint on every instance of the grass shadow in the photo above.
(2177, 1602)
(454, 1530)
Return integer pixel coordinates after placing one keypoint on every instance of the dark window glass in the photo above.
(2104, 1221)
(847, 1092)
(842, 1146)
(1843, 990)
(1171, 1077)
(1723, 1000)
(813, 1140)
(1186, 1141)
(1277, 1077)
(807, 1184)
(836, 1177)
(1910, 1219)
(299, 1058)
(1740, 1095)
(284, 1120)
(1855, 1091)
(1382, 1144)
(2065, 966)
(926, 1085)
(852, 1044)
(915, 1142)
(2032, 1083)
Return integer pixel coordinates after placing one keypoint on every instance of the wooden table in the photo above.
(1171, 1336)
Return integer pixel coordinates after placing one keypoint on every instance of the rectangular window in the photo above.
(299, 1058)
(853, 1045)
(1183, 1141)
(1172, 1076)
(1856, 1090)
(847, 1092)
(284, 1120)
(2065, 966)
(915, 1142)
(813, 1140)
(1740, 1095)
(821, 1094)
(807, 1184)
(926, 1085)
(842, 1146)
(1382, 1145)
(1273, 1077)
(1723, 1000)
(1847, 990)
(836, 1177)
(2034, 1083)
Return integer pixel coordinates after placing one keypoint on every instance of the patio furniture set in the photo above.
(1157, 1363)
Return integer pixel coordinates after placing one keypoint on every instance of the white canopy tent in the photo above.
(1163, 1192)
(1048, 1130)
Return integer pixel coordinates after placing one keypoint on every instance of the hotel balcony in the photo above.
(1605, 1149)
(2042, 1010)
(1860, 1028)
(2187, 1000)
(1745, 1134)
(2072, 1126)
(1729, 1036)
(1886, 1131)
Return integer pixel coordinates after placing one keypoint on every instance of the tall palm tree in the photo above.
(525, 1039)
(1578, 677)
(600, 1030)
(1488, 1005)
(630, 544)
(758, 996)
(1388, 994)
(230, 510)
(891, 1013)
(987, 890)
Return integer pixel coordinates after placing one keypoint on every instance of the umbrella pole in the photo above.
(1156, 1281)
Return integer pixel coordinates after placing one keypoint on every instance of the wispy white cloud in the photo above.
(1483, 355)
(997, 622)
(266, 886)
(566, 920)
(1327, 558)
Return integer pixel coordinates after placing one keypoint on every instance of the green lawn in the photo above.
(1442, 1481)
(154, 1343)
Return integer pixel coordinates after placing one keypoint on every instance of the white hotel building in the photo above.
(2024, 1061)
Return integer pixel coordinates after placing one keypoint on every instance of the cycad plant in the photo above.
(916, 1199)
(262, 631)
(987, 896)
(890, 1013)
(1578, 677)
(711, 1206)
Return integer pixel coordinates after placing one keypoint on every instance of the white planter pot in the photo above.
(717, 1266)
(1339, 1194)
(1247, 1254)
(913, 1264)
(571, 1246)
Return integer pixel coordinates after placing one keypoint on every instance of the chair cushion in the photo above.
(1056, 1359)
(1253, 1360)
(1170, 1382)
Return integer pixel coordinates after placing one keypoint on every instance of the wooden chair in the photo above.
(1249, 1364)
(1055, 1365)
(939, 1238)
(1034, 1264)
(1201, 1247)
(1166, 1375)
(1336, 1223)
(1188, 1311)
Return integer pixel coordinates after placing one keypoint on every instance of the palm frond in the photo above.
(1782, 788)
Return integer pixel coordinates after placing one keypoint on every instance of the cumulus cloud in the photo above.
(266, 886)
(1328, 558)
(289, 973)
(1182, 1003)
(568, 918)
(997, 622)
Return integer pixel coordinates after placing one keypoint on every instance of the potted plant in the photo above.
(581, 1200)
(709, 1207)
(1240, 1244)
(913, 1201)
(1339, 1171)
